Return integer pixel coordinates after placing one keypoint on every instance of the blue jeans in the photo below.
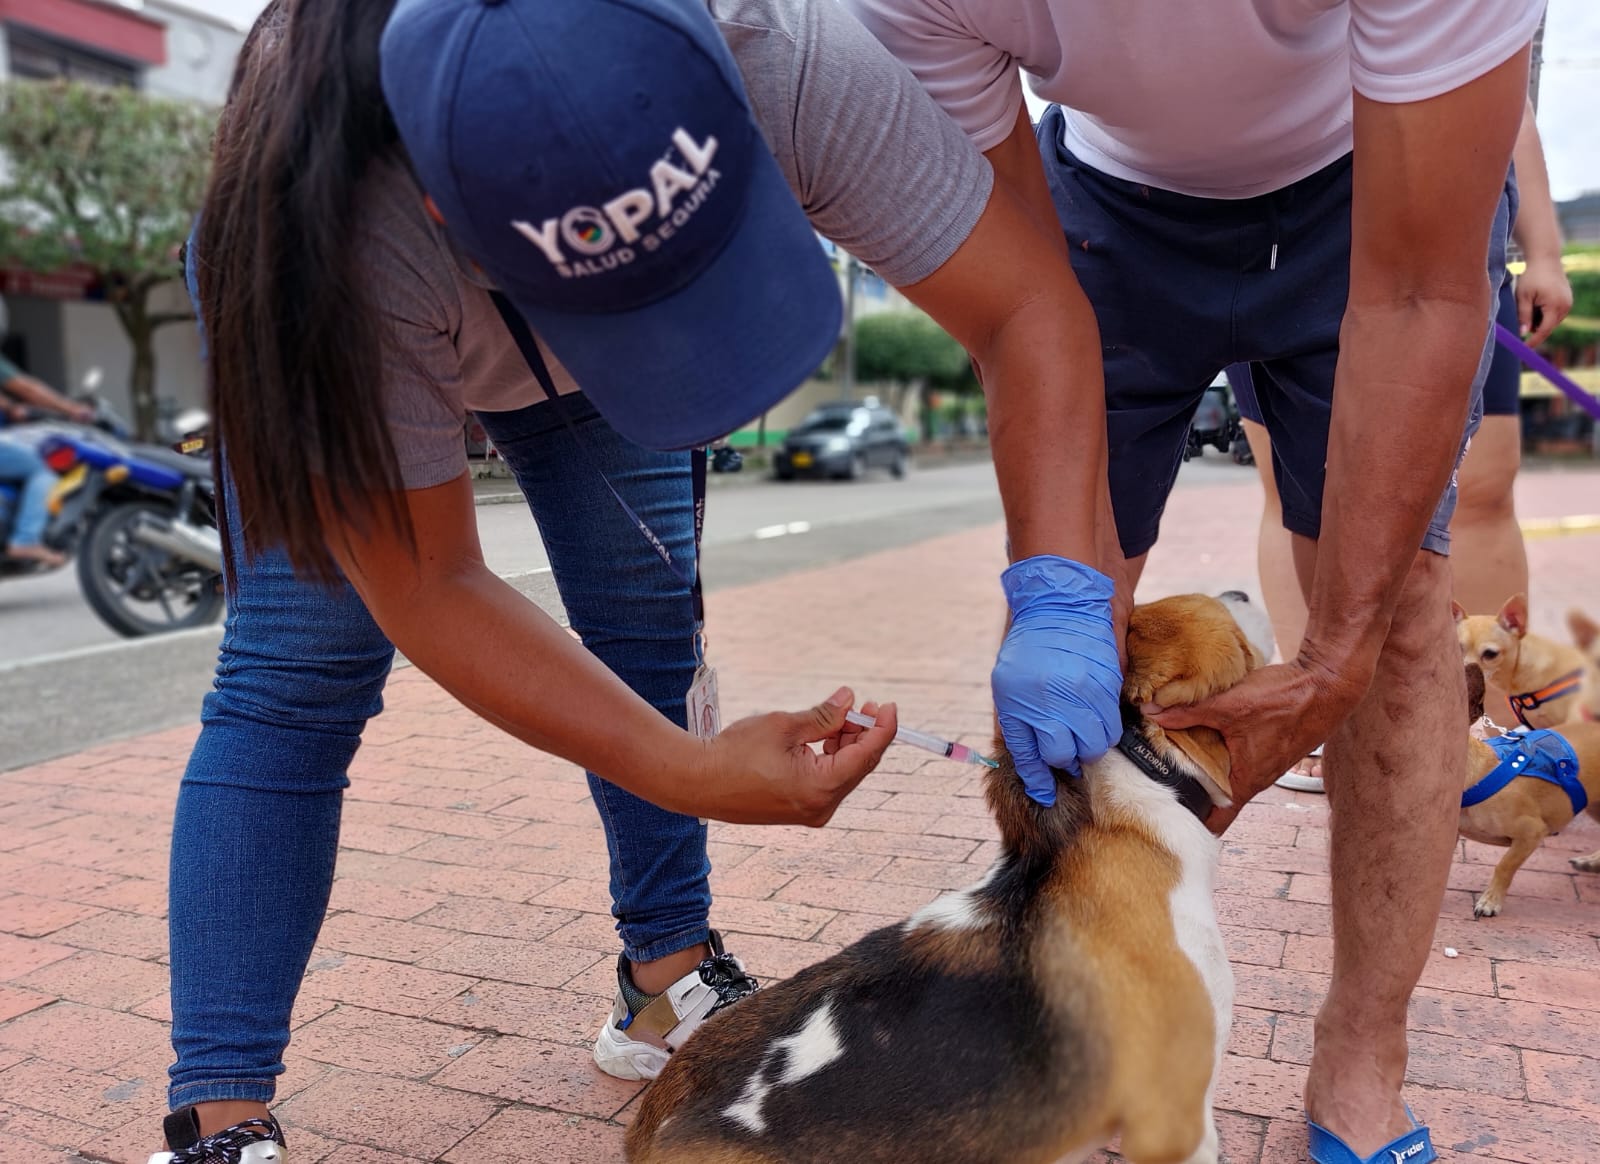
(21, 464)
(302, 670)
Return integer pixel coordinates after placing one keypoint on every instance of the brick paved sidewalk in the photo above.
(468, 957)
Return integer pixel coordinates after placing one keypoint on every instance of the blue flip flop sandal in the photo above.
(1413, 1147)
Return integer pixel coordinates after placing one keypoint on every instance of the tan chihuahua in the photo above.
(1516, 795)
(1540, 676)
(1586, 633)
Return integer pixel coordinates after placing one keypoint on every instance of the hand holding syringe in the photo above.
(947, 748)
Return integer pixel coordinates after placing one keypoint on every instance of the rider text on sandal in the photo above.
(1413, 1147)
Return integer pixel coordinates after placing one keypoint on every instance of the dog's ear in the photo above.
(1182, 650)
(1458, 611)
(1177, 655)
(1206, 749)
(1514, 615)
(1585, 631)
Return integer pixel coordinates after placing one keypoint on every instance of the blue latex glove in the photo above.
(1058, 682)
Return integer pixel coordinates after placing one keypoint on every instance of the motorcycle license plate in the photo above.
(64, 488)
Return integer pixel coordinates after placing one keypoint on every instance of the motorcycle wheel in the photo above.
(139, 590)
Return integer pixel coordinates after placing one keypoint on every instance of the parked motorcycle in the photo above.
(51, 437)
(150, 557)
(140, 520)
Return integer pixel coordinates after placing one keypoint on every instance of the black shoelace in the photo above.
(727, 980)
(228, 1145)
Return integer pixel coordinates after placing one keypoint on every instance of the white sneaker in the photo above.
(644, 1029)
(252, 1142)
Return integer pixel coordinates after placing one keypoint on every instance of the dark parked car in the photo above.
(843, 440)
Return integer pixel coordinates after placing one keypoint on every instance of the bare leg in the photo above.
(654, 977)
(1280, 586)
(1394, 793)
(225, 1113)
(1526, 836)
(1488, 557)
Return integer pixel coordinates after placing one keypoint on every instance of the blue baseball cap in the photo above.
(599, 160)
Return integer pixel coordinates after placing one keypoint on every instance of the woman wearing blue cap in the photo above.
(659, 250)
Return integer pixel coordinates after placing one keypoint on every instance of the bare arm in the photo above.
(1428, 175)
(1031, 332)
(1544, 296)
(40, 395)
(1427, 179)
(530, 677)
(1017, 166)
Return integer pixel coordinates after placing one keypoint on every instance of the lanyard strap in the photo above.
(518, 327)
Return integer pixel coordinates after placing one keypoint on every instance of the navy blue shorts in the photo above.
(1502, 391)
(1244, 392)
(1182, 287)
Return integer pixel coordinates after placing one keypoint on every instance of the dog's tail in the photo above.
(1028, 830)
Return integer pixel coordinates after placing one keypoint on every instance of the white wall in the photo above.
(92, 337)
(200, 54)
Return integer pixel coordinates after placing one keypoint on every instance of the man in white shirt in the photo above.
(1310, 187)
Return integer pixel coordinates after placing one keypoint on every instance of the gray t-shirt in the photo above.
(879, 169)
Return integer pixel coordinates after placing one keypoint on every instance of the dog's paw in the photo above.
(1589, 864)
(1487, 905)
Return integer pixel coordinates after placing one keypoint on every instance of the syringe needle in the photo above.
(928, 743)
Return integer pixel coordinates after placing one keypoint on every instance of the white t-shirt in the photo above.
(1214, 98)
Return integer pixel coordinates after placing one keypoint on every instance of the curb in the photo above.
(746, 477)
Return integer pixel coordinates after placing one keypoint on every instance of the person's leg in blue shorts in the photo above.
(1183, 287)
(1280, 581)
(1490, 560)
(1280, 585)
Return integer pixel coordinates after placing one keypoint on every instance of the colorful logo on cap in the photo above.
(643, 218)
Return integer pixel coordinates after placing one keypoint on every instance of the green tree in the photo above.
(1585, 294)
(108, 178)
(910, 351)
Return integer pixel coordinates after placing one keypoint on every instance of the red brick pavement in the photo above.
(467, 958)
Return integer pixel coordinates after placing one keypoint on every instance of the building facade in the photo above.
(58, 330)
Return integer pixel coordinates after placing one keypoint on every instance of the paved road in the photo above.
(67, 682)
(47, 615)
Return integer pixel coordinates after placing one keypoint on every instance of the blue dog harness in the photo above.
(1542, 754)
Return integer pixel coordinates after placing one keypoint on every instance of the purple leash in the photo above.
(1509, 340)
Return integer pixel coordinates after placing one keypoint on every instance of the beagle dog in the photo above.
(1078, 991)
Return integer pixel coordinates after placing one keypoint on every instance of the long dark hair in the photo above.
(295, 342)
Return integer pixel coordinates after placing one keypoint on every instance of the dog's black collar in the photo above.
(1191, 793)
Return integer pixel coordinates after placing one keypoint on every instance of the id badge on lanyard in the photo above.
(703, 714)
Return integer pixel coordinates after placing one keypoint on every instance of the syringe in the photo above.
(947, 748)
